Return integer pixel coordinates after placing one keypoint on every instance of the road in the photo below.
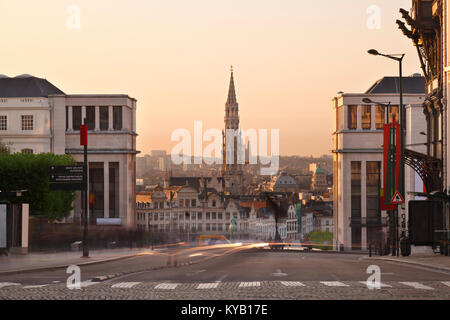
(242, 273)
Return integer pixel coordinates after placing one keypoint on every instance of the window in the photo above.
(379, 117)
(219, 216)
(27, 122)
(393, 113)
(104, 118)
(187, 202)
(213, 215)
(219, 227)
(352, 117)
(227, 215)
(366, 115)
(180, 203)
(3, 123)
(193, 215)
(214, 203)
(117, 118)
(199, 227)
(161, 216)
(208, 216)
(76, 118)
(27, 150)
(90, 117)
(208, 227)
(193, 203)
(214, 227)
(199, 215)
(372, 189)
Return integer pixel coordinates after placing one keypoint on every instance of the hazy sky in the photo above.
(290, 58)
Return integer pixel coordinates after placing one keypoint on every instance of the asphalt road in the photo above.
(234, 273)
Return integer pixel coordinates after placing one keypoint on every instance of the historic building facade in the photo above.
(358, 159)
(36, 117)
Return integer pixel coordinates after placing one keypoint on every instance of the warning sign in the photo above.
(397, 198)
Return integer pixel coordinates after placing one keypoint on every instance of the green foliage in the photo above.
(24, 171)
(3, 148)
(320, 238)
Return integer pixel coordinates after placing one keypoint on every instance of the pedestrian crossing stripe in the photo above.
(417, 285)
(249, 284)
(292, 284)
(125, 285)
(166, 286)
(8, 284)
(334, 284)
(382, 285)
(208, 285)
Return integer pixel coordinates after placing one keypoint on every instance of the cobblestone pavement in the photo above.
(285, 290)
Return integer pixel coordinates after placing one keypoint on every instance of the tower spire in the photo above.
(231, 90)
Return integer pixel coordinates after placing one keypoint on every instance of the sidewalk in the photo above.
(42, 261)
(426, 260)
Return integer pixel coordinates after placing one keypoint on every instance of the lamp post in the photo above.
(393, 227)
(402, 122)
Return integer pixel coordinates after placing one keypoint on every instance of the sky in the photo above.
(290, 58)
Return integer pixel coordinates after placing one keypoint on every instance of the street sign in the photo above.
(397, 198)
(68, 178)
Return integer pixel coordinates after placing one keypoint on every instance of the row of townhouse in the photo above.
(186, 211)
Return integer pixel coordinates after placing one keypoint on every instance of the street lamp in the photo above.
(399, 59)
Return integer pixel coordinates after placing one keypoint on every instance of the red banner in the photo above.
(83, 135)
(386, 145)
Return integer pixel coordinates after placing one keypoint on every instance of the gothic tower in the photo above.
(232, 145)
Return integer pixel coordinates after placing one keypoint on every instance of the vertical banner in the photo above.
(387, 183)
(83, 135)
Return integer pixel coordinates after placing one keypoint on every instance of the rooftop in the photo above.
(26, 86)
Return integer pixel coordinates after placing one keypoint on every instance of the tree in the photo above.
(3, 148)
(24, 171)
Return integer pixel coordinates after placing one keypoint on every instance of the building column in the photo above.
(97, 118)
(363, 205)
(106, 189)
(69, 118)
(110, 118)
(83, 114)
(358, 117)
(345, 117)
(372, 117)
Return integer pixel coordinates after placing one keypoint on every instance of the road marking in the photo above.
(381, 284)
(292, 284)
(417, 285)
(126, 285)
(166, 286)
(208, 285)
(222, 278)
(447, 283)
(87, 283)
(8, 284)
(249, 284)
(35, 286)
(278, 273)
(334, 284)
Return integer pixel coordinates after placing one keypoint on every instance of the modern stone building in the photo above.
(358, 158)
(36, 117)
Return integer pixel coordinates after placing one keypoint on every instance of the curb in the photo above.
(418, 264)
(10, 272)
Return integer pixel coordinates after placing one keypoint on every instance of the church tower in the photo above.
(232, 164)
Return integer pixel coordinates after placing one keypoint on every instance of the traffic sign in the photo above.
(397, 198)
